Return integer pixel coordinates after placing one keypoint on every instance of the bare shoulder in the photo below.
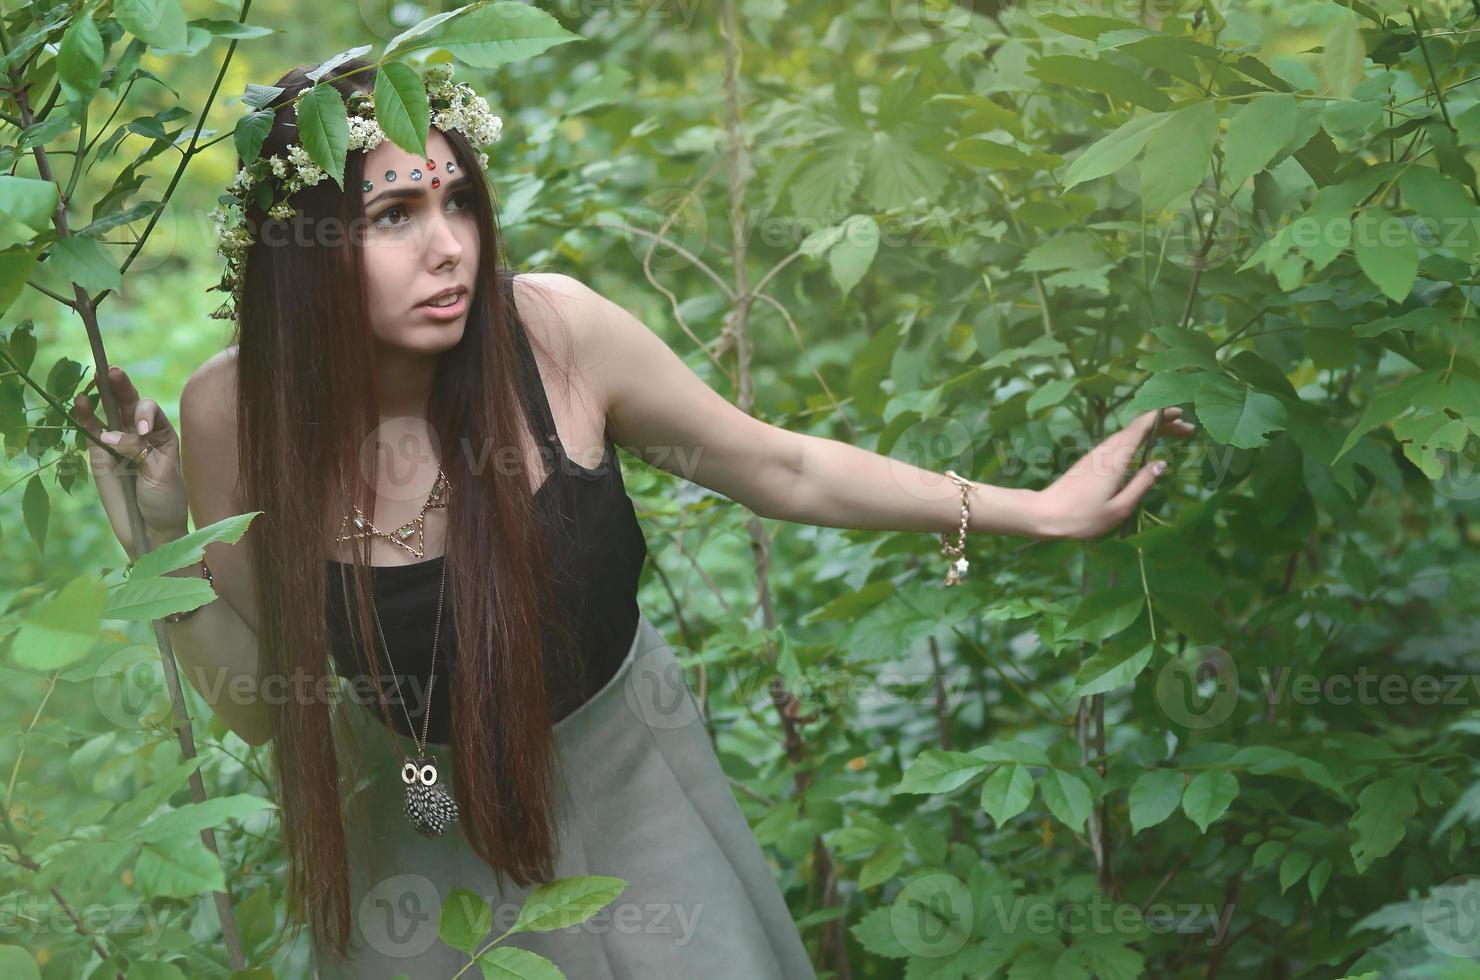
(212, 386)
(561, 315)
(208, 432)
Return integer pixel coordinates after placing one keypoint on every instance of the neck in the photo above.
(405, 381)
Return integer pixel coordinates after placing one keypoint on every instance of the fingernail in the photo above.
(143, 427)
(1159, 467)
(111, 438)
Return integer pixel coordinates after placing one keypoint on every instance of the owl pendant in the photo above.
(429, 807)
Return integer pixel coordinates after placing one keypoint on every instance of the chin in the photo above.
(425, 338)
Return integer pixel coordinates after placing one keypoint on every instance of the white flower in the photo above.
(364, 133)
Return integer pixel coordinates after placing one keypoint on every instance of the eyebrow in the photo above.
(397, 193)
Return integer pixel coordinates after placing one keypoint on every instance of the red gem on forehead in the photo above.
(436, 181)
(431, 164)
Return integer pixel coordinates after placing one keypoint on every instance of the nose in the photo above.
(443, 247)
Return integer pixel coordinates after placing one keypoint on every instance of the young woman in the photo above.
(434, 502)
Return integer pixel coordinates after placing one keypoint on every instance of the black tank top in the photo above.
(597, 554)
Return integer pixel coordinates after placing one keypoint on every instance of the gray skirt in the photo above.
(641, 797)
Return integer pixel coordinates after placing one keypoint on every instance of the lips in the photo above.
(454, 293)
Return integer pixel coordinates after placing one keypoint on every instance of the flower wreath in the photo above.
(452, 105)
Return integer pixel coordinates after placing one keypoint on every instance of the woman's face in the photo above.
(420, 241)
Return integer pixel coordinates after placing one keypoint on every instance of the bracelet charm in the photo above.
(957, 569)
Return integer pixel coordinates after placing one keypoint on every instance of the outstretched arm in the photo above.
(660, 410)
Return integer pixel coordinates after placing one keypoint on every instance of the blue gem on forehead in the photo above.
(390, 175)
(365, 185)
(415, 174)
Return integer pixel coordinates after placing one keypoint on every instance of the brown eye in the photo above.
(381, 221)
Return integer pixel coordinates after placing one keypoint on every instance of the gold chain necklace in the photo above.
(361, 527)
(429, 806)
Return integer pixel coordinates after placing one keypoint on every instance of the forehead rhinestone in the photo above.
(390, 175)
(431, 164)
(451, 167)
(415, 174)
(436, 181)
(365, 185)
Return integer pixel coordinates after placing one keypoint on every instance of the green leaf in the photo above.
(1343, 57)
(155, 970)
(16, 263)
(1098, 75)
(62, 629)
(513, 963)
(1007, 792)
(1444, 206)
(31, 202)
(1115, 150)
(566, 902)
(1111, 668)
(1102, 614)
(499, 33)
(180, 869)
(1386, 251)
(401, 107)
(1154, 796)
(1177, 154)
(465, 920)
(250, 132)
(85, 262)
(1049, 394)
(36, 509)
(1319, 875)
(1208, 796)
(939, 771)
(190, 819)
(1067, 797)
(881, 867)
(141, 599)
(897, 173)
(1383, 808)
(17, 964)
(1293, 868)
(190, 548)
(323, 130)
(1256, 133)
(1235, 414)
(80, 59)
(160, 22)
(854, 252)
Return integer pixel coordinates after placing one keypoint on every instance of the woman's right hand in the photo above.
(160, 485)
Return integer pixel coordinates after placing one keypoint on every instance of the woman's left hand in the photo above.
(1089, 499)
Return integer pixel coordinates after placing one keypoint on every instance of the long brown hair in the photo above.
(304, 347)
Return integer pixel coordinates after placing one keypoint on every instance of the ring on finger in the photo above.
(138, 457)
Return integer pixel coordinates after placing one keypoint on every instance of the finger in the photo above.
(82, 408)
(150, 421)
(124, 391)
(1125, 501)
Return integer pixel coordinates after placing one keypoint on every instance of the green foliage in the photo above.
(1236, 738)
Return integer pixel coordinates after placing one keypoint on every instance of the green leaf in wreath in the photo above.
(323, 129)
(401, 107)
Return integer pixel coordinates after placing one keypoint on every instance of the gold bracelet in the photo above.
(957, 568)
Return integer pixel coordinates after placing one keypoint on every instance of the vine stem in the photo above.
(86, 308)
